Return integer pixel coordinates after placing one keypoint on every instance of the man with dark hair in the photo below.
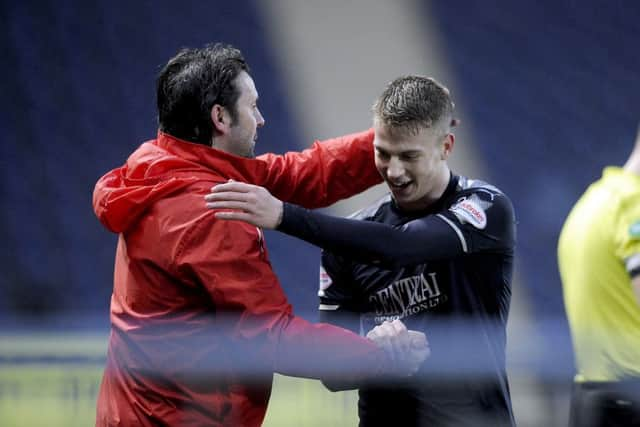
(199, 322)
(194, 82)
(599, 260)
(436, 252)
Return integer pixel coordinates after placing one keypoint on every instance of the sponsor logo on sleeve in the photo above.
(471, 210)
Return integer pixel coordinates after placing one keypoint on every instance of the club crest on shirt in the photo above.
(325, 281)
(471, 210)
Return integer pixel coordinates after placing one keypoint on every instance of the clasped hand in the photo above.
(247, 202)
(406, 349)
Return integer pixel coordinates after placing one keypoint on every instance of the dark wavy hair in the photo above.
(191, 83)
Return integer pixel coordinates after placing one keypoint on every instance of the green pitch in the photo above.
(64, 395)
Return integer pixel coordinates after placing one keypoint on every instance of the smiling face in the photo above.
(413, 118)
(413, 165)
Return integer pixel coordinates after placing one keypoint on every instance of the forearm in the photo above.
(327, 352)
(371, 241)
(347, 320)
(329, 171)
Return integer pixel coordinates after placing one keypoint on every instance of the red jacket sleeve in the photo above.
(230, 261)
(329, 171)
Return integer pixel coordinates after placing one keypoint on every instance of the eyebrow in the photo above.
(402, 153)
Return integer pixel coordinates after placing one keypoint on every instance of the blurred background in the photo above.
(548, 93)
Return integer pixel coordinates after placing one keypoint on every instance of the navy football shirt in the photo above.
(445, 271)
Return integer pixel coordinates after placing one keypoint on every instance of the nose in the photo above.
(259, 119)
(395, 169)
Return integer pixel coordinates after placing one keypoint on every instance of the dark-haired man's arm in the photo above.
(328, 171)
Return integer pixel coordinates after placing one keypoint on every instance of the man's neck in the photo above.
(442, 182)
(217, 143)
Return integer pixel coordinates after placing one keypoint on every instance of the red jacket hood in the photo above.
(157, 168)
(322, 174)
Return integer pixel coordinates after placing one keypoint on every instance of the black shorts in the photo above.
(611, 404)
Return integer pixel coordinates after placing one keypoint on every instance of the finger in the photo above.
(400, 330)
(381, 336)
(382, 331)
(371, 334)
(376, 330)
(385, 329)
(374, 333)
(240, 187)
(415, 359)
(398, 325)
(238, 206)
(421, 355)
(401, 337)
(387, 345)
(226, 195)
(387, 337)
(418, 343)
(418, 339)
(235, 215)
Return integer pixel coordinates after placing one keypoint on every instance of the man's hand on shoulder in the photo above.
(247, 202)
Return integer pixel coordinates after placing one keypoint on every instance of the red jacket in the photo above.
(199, 319)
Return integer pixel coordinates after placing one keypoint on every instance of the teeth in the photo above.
(398, 185)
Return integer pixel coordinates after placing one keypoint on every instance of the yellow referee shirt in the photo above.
(598, 253)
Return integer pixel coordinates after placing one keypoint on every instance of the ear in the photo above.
(220, 119)
(447, 145)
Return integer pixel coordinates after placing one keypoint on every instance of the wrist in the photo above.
(285, 216)
(280, 214)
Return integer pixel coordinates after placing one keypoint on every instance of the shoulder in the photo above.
(186, 205)
(470, 185)
(184, 216)
(481, 192)
(475, 201)
(622, 191)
